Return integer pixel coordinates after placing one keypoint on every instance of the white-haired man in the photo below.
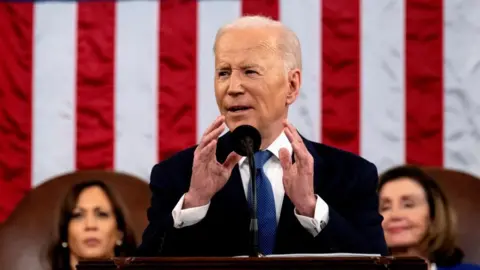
(311, 198)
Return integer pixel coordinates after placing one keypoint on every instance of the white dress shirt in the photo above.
(274, 172)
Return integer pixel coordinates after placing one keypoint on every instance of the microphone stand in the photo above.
(246, 141)
(253, 220)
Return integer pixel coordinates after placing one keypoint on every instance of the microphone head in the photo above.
(246, 140)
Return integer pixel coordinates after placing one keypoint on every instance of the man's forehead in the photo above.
(246, 50)
(254, 56)
(235, 40)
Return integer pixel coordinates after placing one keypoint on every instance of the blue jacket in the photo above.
(460, 266)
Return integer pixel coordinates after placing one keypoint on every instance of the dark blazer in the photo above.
(346, 182)
(460, 266)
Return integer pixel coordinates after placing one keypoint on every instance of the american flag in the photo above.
(123, 84)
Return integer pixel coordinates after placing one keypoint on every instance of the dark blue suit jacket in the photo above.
(346, 182)
(460, 266)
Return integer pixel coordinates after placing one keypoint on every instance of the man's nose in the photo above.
(236, 84)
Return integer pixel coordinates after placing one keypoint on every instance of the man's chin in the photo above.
(233, 124)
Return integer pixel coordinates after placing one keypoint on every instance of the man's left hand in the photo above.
(298, 176)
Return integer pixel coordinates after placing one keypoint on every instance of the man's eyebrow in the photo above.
(243, 66)
(222, 66)
(251, 65)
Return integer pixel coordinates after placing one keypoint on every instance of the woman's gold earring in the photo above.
(119, 242)
(64, 244)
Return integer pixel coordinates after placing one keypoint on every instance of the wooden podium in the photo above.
(265, 263)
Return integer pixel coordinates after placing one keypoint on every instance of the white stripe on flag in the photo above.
(462, 86)
(211, 16)
(136, 87)
(54, 52)
(383, 82)
(305, 112)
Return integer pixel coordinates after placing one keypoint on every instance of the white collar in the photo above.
(433, 266)
(280, 142)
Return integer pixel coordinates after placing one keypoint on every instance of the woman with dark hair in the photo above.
(418, 219)
(91, 225)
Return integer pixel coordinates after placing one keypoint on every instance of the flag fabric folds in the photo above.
(124, 84)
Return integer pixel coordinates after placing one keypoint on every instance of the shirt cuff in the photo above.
(188, 217)
(320, 218)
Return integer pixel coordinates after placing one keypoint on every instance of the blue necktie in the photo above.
(266, 214)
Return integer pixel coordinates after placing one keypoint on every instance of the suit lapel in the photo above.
(288, 222)
(319, 170)
(233, 191)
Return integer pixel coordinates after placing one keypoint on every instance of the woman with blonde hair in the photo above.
(418, 219)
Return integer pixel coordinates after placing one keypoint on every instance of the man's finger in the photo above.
(291, 134)
(299, 149)
(211, 136)
(287, 166)
(285, 159)
(295, 136)
(215, 125)
(218, 121)
(208, 152)
(232, 159)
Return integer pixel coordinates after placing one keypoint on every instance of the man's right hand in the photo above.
(208, 175)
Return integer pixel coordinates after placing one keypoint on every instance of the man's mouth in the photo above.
(238, 108)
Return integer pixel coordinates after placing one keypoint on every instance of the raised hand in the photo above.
(298, 177)
(208, 175)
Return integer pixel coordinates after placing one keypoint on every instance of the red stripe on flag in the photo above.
(341, 74)
(178, 76)
(424, 82)
(16, 67)
(95, 85)
(269, 8)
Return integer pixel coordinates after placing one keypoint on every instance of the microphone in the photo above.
(246, 142)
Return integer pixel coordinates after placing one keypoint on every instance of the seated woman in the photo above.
(91, 225)
(418, 220)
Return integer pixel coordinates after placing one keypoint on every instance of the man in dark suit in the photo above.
(311, 198)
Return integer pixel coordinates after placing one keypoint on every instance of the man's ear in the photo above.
(294, 82)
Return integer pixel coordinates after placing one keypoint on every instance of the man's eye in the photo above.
(222, 73)
(250, 71)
